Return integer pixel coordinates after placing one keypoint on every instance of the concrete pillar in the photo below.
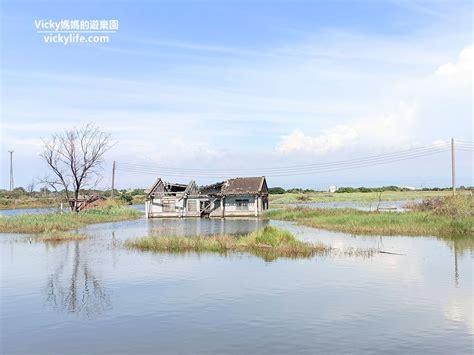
(223, 206)
(256, 206)
(146, 209)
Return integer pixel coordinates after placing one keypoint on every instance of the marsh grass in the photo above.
(452, 218)
(59, 237)
(269, 243)
(40, 223)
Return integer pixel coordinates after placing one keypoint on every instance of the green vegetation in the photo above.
(280, 190)
(269, 243)
(108, 212)
(449, 216)
(279, 200)
(21, 198)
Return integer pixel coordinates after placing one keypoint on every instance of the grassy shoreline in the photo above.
(41, 223)
(413, 223)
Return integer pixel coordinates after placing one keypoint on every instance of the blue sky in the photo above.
(246, 84)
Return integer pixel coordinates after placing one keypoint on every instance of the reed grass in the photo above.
(442, 221)
(56, 237)
(269, 243)
(40, 223)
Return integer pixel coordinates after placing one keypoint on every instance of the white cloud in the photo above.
(415, 109)
(330, 140)
(321, 93)
(383, 131)
(462, 69)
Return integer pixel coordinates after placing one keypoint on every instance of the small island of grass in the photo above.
(56, 237)
(269, 242)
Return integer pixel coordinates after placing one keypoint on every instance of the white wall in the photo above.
(231, 204)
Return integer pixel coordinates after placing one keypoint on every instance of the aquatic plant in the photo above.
(269, 242)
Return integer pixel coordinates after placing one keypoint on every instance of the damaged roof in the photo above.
(236, 186)
(214, 189)
(244, 186)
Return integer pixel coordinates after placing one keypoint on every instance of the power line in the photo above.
(381, 158)
(288, 172)
(311, 169)
(341, 162)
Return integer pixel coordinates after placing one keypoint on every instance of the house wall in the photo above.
(173, 207)
(190, 207)
(233, 207)
(231, 203)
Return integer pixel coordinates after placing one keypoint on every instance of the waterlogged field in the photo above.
(360, 199)
(97, 289)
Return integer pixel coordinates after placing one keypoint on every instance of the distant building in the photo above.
(332, 188)
(239, 197)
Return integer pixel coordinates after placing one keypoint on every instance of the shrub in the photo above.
(455, 206)
(451, 206)
(276, 190)
(345, 190)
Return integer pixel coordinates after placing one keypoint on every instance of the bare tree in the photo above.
(379, 196)
(75, 157)
(31, 187)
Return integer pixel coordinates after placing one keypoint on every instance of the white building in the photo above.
(237, 197)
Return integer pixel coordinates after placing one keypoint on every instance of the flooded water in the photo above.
(365, 206)
(20, 211)
(94, 296)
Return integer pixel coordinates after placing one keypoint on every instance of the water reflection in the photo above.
(419, 302)
(199, 226)
(73, 287)
(460, 246)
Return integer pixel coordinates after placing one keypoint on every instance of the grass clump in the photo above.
(269, 243)
(58, 237)
(453, 216)
(40, 223)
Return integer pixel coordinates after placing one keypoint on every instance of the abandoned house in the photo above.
(239, 197)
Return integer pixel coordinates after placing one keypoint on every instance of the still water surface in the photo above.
(365, 206)
(94, 296)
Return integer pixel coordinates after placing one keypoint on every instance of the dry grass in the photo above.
(59, 237)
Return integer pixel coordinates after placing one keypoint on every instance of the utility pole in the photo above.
(453, 167)
(11, 170)
(113, 179)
